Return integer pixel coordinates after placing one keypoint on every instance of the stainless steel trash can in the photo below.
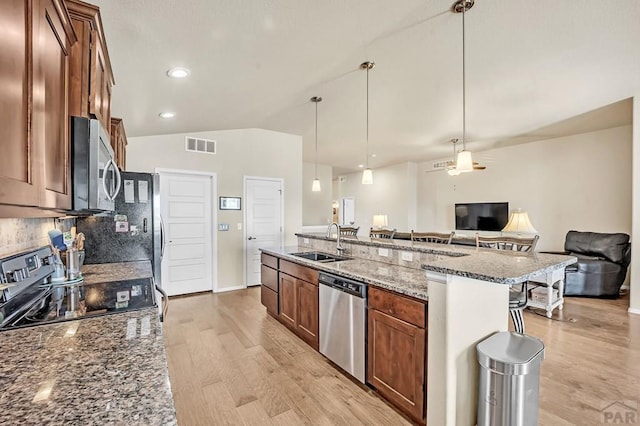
(509, 379)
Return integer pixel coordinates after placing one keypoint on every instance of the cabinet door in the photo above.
(100, 89)
(396, 362)
(50, 116)
(18, 180)
(307, 326)
(288, 301)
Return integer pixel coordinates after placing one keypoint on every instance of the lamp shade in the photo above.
(464, 163)
(367, 177)
(315, 186)
(519, 222)
(379, 220)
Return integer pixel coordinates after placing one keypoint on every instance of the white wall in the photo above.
(247, 152)
(634, 303)
(316, 206)
(393, 193)
(580, 182)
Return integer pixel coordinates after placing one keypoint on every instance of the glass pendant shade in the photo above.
(367, 177)
(315, 187)
(464, 163)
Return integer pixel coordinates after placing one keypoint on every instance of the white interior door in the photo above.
(186, 207)
(263, 222)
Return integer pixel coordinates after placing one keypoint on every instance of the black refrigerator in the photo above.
(133, 231)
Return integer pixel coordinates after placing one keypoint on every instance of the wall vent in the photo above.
(438, 165)
(204, 146)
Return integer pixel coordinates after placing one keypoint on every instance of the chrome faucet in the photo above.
(339, 247)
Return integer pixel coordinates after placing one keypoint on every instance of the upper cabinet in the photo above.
(35, 144)
(119, 142)
(91, 74)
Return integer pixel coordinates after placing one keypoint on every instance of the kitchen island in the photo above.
(467, 290)
(97, 370)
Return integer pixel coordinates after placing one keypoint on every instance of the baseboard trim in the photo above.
(225, 289)
(634, 311)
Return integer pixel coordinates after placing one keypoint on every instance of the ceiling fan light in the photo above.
(367, 177)
(315, 186)
(464, 163)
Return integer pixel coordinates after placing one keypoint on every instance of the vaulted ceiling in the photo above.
(256, 63)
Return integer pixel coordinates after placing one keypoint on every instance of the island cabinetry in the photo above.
(396, 350)
(91, 74)
(269, 279)
(298, 298)
(35, 131)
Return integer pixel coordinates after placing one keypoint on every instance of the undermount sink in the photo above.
(320, 257)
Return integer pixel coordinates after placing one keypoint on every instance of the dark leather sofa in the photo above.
(602, 265)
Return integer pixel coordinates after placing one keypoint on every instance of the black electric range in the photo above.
(30, 298)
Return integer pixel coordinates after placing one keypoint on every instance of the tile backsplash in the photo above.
(17, 235)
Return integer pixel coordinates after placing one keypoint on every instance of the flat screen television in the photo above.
(482, 216)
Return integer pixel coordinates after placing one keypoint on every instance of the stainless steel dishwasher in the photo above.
(343, 322)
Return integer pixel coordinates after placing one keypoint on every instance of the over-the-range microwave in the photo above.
(96, 178)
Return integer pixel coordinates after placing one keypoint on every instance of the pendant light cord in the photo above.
(367, 159)
(316, 140)
(464, 79)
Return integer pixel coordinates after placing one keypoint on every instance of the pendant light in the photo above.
(315, 187)
(464, 163)
(367, 174)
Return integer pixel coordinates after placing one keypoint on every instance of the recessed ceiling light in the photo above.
(361, 165)
(178, 72)
(167, 114)
(373, 156)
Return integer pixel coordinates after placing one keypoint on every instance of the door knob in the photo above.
(252, 238)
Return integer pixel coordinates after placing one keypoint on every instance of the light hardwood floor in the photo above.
(231, 363)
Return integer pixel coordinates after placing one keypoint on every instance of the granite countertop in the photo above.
(108, 272)
(408, 281)
(501, 267)
(104, 370)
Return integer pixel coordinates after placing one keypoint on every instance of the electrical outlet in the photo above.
(239, 226)
(305, 241)
(383, 252)
(407, 256)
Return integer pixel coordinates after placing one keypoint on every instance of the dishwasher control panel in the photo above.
(347, 285)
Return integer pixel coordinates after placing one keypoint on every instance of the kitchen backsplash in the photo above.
(21, 234)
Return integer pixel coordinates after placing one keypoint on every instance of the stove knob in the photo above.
(17, 275)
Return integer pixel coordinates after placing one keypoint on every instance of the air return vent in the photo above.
(204, 146)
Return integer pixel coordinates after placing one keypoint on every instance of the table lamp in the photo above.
(380, 221)
(519, 223)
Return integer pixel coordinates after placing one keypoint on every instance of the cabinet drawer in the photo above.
(397, 306)
(299, 271)
(269, 299)
(269, 277)
(270, 261)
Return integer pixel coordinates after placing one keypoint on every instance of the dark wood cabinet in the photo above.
(35, 134)
(270, 288)
(119, 142)
(288, 295)
(308, 320)
(91, 74)
(18, 180)
(396, 351)
(52, 40)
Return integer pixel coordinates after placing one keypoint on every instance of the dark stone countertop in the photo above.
(403, 280)
(107, 272)
(498, 266)
(94, 371)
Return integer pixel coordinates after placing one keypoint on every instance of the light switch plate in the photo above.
(407, 256)
(383, 252)
(239, 226)
(223, 227)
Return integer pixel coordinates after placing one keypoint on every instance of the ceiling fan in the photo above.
(451, 164)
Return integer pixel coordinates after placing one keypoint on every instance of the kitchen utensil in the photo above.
(57, 239)
(73, 263)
